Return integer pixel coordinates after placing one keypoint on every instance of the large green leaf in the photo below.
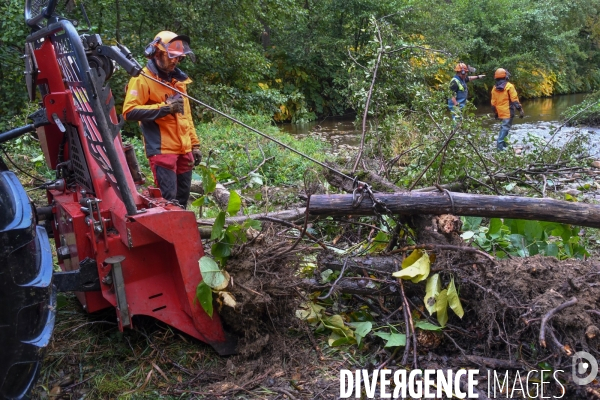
(441, 307)
(392, 339)
(453, 300)
(427, 326)
(432, 289)
(221, 250)
(235, 203)
(209, 181)
(218, 226)
(212, 274)
(362, 329)
(495, 226)
(204, 296)
(533, 231)
(519, 243)
(418, 271)
(310, 312)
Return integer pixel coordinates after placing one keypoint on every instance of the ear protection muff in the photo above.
(150, 50)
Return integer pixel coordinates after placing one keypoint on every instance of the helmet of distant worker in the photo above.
(461, 68)
(501, 73)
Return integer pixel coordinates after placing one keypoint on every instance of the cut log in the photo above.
(411, 203)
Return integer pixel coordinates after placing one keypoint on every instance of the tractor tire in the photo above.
(27, 299)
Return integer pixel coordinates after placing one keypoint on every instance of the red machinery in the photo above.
(135, 252)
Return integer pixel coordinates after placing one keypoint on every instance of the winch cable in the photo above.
(249, 127)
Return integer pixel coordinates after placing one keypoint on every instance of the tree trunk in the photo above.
(461, 204)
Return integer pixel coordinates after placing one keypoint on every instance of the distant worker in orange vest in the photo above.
(458, 85)
(504, 103)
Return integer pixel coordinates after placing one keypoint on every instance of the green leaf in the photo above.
(221, 250)
(326, 275)
(533, 231)
(204, 296)
(432, 289)
(495, 226)
(310, 312)
(418, 271)
(453, 300)
(552, 250)
(362, 329)
(218, 226)
(467, 235)
(519, 243)
(208, 181)
(472, 223)
(235, 203)
(441, 308)
(252, 223)
(426, 326)
(392, 339)
(212, 274)
(335, 339)
(199, 201)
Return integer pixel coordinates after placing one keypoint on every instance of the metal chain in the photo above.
(362, 189)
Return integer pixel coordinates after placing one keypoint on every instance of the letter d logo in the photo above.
(584, 363)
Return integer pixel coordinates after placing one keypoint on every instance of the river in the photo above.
(542, 118)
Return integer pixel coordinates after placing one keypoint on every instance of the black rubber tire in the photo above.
(28, 301)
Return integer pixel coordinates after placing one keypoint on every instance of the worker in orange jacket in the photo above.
(165, 117)
(504, 103)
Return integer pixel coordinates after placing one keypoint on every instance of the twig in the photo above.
(368, 102)
(284, 391)
(282, 222)
(336, 281)
(248, 174)
(549, 315)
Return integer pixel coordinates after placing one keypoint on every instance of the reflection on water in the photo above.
(543, 109)
(542, 118)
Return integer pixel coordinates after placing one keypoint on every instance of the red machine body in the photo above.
(145, 249)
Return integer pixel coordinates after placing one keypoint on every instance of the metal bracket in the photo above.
(84, 279)
(119, 282)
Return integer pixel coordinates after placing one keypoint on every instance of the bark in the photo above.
(387, 265)
(410, 203)
(353, 286)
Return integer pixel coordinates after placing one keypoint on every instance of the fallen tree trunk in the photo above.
(461, 204)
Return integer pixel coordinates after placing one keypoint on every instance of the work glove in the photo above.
(175, 104)
(495, 112)
(521, 113)
(197, 155)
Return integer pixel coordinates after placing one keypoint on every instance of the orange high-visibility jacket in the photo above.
(164, 133)
(502, 99)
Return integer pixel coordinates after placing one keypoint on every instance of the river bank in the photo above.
(542, 119)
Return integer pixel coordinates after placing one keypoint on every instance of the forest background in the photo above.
(302, 60)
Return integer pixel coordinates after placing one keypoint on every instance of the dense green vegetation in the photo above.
(296, 60)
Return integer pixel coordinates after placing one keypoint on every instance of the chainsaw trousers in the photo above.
(173, 175)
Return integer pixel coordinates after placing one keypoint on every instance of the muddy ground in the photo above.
(282, 357)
